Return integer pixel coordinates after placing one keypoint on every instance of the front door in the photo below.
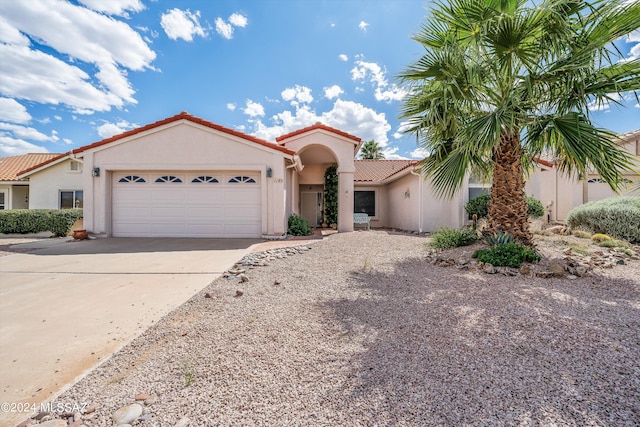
(311, 207)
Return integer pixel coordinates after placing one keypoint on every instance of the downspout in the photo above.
(419, 199)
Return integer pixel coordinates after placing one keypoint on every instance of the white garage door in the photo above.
(174, 204)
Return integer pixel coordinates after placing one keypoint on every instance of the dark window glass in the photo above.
(364, 202)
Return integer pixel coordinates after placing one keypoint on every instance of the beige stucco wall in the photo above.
(45, 185)
(185, 146)
(403, 201)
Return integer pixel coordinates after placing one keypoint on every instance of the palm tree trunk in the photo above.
(508, 207)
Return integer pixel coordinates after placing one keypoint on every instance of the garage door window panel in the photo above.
(204, 179)
(131, 178)
(242, 179)
(168, 178)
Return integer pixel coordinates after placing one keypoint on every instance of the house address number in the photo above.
(278, 181)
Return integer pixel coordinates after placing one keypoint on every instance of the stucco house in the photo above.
(188, 177)
(14, 190)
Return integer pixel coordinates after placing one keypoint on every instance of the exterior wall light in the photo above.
(95, 172)
(269, 172)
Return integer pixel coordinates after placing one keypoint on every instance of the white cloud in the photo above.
(363, 25)
(253, 109)
(114, 7)
(297, 94)
(182, 24)
(14, 147)
(107, 129)
(78, 35)
(57, 118)
(225, 29)
(24, 132)
(347, 116)
(238, 20)
(343, 57)
(377, 76)
(634, 37)
(333, 91)
(67, 141)
(419, 153)
(231, 106)
(391, 153)
(14, 112)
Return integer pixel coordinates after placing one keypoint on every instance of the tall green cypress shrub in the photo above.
(331, 195)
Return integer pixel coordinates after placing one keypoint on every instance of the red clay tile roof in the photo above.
(543, 162)
(377, 170)
(10, 167)
(186, 116)
(318, 125)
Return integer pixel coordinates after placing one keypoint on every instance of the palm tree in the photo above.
(371, 150)
(505, 81)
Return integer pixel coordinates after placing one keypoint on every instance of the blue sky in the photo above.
(75, 72)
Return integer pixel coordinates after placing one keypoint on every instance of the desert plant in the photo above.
(599, 237)
(618, 217)
(534, 207)
(298, 226)
(499, 238)
(581, 234)
(447, 237)
(500, 82)
(509, 255)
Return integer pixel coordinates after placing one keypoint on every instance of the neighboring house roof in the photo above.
(10, 167)
(44, 165)
(630, 136)
(185, 116)
(317, 126)
(378, 170)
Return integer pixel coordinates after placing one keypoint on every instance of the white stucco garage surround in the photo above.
(185, 150)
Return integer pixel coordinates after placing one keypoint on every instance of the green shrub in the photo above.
(534, 207)
(480, 206)
(616, 216)
(23, 221)
(509, 255)
(453, 237)
(299, 226)
(331, 195)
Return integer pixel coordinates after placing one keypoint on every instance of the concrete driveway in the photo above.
(64, 309)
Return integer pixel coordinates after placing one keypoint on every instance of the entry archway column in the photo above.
(345, 199)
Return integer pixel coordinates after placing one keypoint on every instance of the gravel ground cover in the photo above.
(361, 331)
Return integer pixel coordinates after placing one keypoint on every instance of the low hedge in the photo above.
(23, 221)
(616, 216)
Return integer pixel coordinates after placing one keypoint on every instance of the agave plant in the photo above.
(499, 238)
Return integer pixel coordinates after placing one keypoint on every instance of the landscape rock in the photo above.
(91, 408)
(127, 414)
(151, 399)
(489, 269)
(239, 292)
(54, 423)
(184, 422)
(243, 278)
(143, 396)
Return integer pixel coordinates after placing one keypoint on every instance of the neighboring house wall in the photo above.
(14, 196)
(45, 186)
